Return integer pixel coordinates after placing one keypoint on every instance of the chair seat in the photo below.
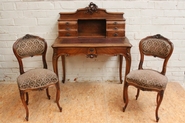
(147, 79)
(36, 78)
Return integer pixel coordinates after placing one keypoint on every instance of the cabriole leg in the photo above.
(58, 96)
(159, 100)
(24, 104)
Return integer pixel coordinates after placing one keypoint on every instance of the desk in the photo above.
(91, 31)
(91, 47)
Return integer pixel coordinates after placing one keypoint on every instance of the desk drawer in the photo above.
(115, 29)
(67, 25)
(64, 33)
(115, 25)
(118, 33)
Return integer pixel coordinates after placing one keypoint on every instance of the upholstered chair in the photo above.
(150, 79)
(34, 79)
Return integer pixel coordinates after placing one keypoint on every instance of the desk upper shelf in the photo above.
(91, 22)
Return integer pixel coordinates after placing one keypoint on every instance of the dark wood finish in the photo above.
(91, 31)
(22, 43)
(164, 55)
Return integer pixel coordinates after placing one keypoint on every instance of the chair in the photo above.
(34, 79)
(150, 79)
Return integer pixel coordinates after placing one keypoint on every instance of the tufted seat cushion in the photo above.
(36, 78)
(147, 79)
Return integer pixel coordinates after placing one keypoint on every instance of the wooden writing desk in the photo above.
(91, 31)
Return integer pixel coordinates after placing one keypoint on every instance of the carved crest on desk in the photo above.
(92, 8)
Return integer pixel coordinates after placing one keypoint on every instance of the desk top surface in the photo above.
(91, 42)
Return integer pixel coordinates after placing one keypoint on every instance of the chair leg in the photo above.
(159, 100)
(137, 95)
(47, 92)
(125, 96)
(27, 98)
(24, 104)
(58, 95)
(124, 92)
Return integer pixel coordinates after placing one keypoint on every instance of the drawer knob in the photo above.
(91, 49)
(68, 34)
(91, 53)
(116, 28)
(115, 23)
(67, 28)
(115, 34)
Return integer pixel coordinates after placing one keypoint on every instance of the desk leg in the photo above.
(55, 63)
(63, 67)
(120, 68)
(127, 70)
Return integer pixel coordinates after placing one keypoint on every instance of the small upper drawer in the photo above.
(63, 33)
(120, 33)
(115, 25)
(67, 25)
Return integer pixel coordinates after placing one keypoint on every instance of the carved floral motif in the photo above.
(92, 8)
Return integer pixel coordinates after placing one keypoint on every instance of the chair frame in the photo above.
(160, 92)
(21, 70)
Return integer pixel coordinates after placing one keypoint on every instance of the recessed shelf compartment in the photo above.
(88, 28)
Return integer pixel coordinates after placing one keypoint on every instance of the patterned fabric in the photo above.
(36, 78)
(29, 46)
(156, 47)
(147, 79)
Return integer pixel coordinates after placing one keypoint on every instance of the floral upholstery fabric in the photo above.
(36, 78)
(30, 46)
(147, 79)
(156, 47)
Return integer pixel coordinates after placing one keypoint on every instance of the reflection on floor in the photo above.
(92, 102)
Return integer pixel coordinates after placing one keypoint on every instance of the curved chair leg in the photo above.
(58, 95)
(27, 98)
(24, 104)
(158, 96)
(47, 92)
(124, 92)
(137, 95)
(125, 96)
(159, 100)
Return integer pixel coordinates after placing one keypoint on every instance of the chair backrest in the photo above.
(157, 46)
(29, 46)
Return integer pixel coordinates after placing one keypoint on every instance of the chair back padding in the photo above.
(157, 46)
(29, 46)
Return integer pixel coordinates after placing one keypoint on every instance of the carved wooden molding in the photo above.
(158, 36)
(92, 8)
